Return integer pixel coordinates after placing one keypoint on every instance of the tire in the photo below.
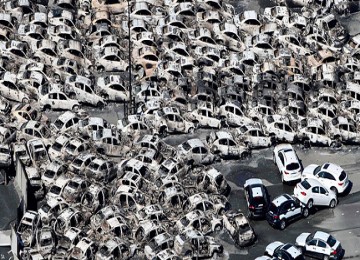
(282, 225)
(72, 96)
(75, 108)
(305, 212)
(196, 124)
(326, 257)
(334, 190)
(282, 178)
(310, 203)
(25, 100)
(332, 203)
(47, 108)
(217, 228)
(250, 214)
(100, 105)
(244, 155)
(191, 130)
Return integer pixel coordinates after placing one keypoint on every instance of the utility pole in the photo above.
(129, 107)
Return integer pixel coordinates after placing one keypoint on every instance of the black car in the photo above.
(284, 209)
(257, 198)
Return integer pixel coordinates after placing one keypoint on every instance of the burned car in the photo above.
(252, 136)
(314, 131)
(192, 243)
(213, 181)
(194, 151)
(223, 144)
(239, 228)
(279, 127)
(27, 228)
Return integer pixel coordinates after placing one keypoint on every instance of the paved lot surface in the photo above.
(9, 202)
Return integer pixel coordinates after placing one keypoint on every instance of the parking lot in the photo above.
(342, 221)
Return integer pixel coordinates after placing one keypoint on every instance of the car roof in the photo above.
(321, 235)
(292, 250)
(253, 181)
(195, 142)
(332, 168)
(281, 199)
(290, 156)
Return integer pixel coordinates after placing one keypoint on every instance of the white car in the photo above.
(320, 245)
(279, 250)
(311, 192)
(331, 175)
(288, 162)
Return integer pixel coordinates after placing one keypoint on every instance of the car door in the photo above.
(62, 101)
(311, 248)
(280, 161)
(324, 198)
(295, 210)
(315, 194)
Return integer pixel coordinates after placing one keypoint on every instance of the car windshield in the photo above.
(186, 146)
(317, 169)
(342, 176)
(273, 208)
(77, 162)
(292, 166)
(58, 123)
(331, 241)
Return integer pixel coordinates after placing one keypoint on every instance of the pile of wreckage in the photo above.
(255, 78)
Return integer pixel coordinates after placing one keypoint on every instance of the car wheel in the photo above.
(47, 108)
(282, 224)
(310, 203)
(334, 190)
(305, 212)
(326, 257)
(282, 178)
(191, 130)
(75, 108)
(25, 100)
(218, 228)
(244, 155)
(332, 203)
(250, 214)
(196, 123)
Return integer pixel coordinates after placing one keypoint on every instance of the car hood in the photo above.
(301, 239)
(309, 170)
(272, 247)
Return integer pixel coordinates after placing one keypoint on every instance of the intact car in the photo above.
(331, 175)
(257, 198)
(320, 245)
(239, 228)
(284, 209)
(311, 192)
(288, 162)
(280, 250)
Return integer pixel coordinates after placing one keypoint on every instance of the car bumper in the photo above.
(272, 222)
(344, 187)
(292, 177)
